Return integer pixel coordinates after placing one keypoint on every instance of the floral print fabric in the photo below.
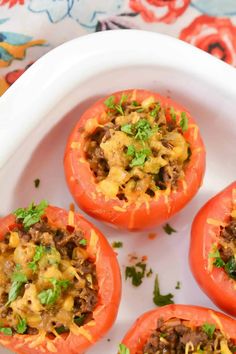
(30, 28)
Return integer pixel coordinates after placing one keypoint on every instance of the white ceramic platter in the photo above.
(39, 110)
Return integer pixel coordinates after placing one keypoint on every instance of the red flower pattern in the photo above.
(216, 36)
(12, 76)
(159, 10)
(12, 3)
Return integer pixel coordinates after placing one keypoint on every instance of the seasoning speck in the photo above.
(36, 182)
(168, 229)
(178, 285)
(117, 244)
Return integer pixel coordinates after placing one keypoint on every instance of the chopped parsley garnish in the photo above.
(110, 103)
(117, 244)
(139, 157)
(39, 252)
(18, 280)
(218, 262)
(127, 128)
(136, 273)
(135, 103)
(230, 268)
(123, 349)
(50, 296)
(143, 130)
(31, 215)
(61, 329)
(21, 326)
(83, 242)
(178, 285)
(168, 229)
(158, 299)
(6, 330)
(155, 111)
(184, 122)
(36, 182)
(209, 329)
(173, 114)
(79, 320)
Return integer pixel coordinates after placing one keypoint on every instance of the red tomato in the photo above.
(109, 281)
(133, 216)
(205, 232)
(147, 323)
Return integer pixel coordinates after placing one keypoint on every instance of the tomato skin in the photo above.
(109, 281)
(133, 216)
(144, 326)
(215, 283)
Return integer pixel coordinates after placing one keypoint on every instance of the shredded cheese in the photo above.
(216, 222)
(71, 218)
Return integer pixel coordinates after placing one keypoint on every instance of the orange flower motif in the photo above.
(216, 36)
(12, 3)
(159, 10)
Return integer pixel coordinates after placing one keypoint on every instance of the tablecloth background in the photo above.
(30, 28)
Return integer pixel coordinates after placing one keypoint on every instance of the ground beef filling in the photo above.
(176, 336)
(227, 248)
(137, 151)
(47, 280)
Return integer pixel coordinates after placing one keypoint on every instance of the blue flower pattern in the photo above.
(82, 11)
(215, 7)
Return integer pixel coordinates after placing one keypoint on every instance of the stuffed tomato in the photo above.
(134, 159)
(213, 249)
(181, 329)
(60, 282)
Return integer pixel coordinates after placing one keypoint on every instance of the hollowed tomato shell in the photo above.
(146, 324)
(205, 232)
(109, 294)
(134, 216)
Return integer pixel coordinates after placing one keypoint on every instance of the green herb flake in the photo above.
(79, 320)
(136, 273)
(127, 128)
(135, 103)
(110, 102)
(163, 335)
(83, 242)
(130, 150)
(50, 296)
(117, 244)
(31, 215)
(158, 299)
(61, 329)
(6, 330)
(140, 157)
(21, 326)
(209, 329)
(39, 252)
(178, 285)
(140, 110)
(123, 349)
(169, 229)
(36, 182)
(230, 268)
(218, 262)
(184, 122)
(18, 280)
(155, 111)
(173, 114)
(143, 130)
